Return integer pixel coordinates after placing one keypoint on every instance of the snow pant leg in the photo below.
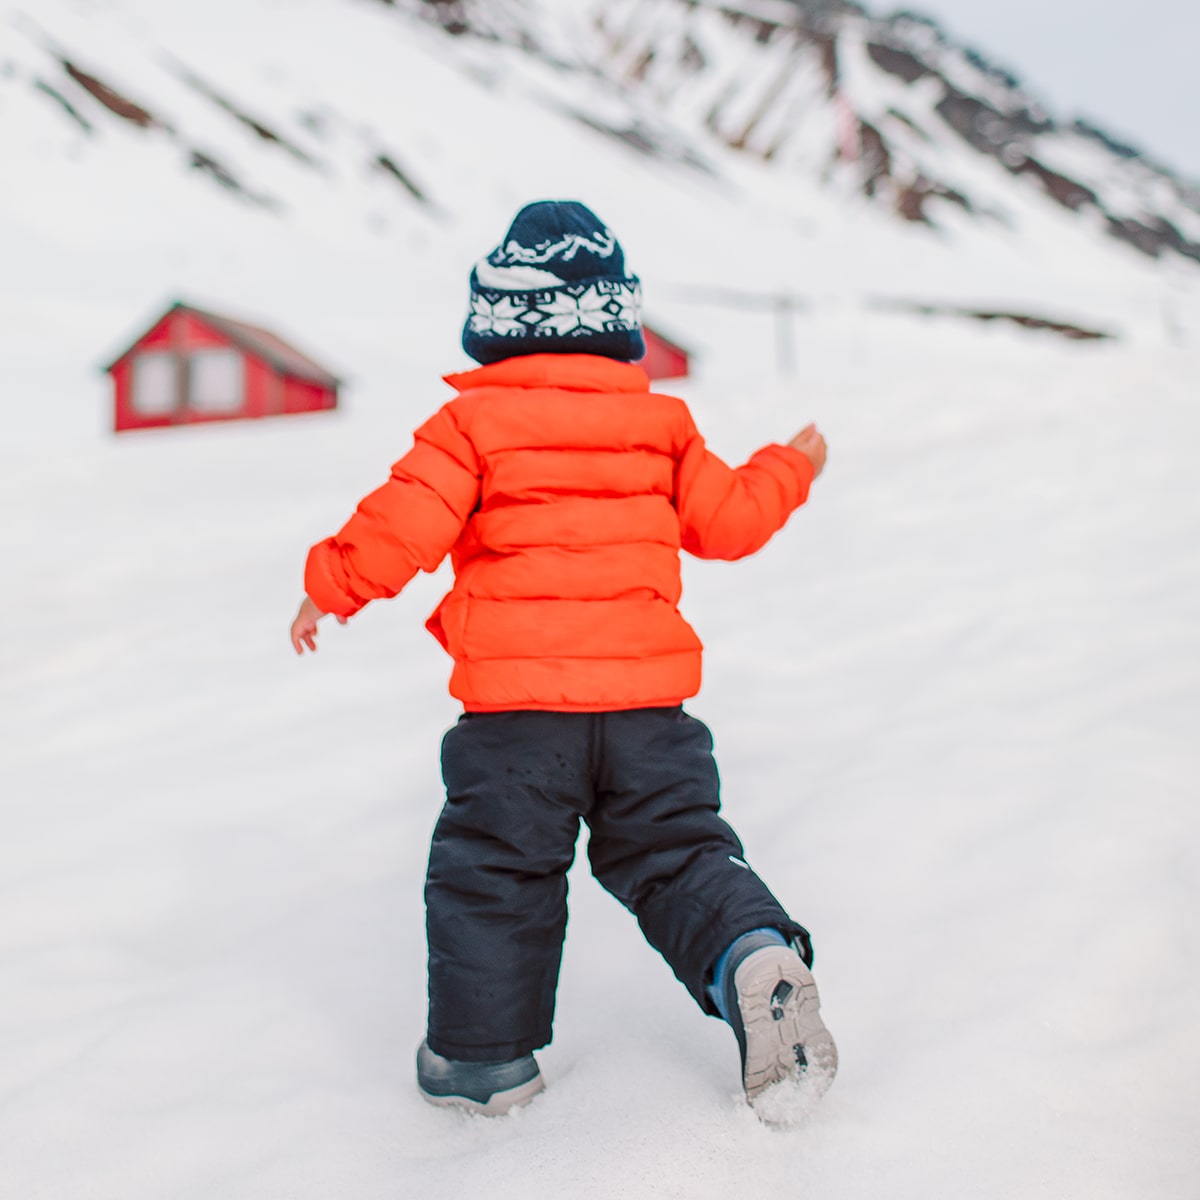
(658, 844)
(496, 891)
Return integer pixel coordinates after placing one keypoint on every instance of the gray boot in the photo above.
(772, 1004)
(487, 1088)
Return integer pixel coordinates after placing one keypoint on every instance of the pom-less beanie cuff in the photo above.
(555, 285)
(597, 316)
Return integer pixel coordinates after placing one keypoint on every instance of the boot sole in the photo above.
(785, 1038)
(496, 1105)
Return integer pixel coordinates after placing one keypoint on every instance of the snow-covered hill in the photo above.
(890, 106)
(954, 701)
(819, 89)
(304, 162)
(955, 707)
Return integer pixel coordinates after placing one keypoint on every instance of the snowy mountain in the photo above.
(825, 90)
(802, 154)
(819, 88)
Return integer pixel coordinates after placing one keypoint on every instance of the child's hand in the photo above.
(304, 627)
(811, 444)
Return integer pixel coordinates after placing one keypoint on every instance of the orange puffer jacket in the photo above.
(564, 490)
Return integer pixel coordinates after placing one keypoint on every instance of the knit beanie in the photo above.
(556, 284)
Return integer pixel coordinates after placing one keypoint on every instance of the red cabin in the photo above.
(193, 366)
(664, 359)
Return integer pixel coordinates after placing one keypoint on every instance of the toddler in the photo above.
(563, 490)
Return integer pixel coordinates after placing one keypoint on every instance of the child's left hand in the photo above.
(304, 627)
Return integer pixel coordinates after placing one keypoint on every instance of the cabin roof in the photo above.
(655, 330)
(262, 343)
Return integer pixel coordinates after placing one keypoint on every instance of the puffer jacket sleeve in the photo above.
(729, 512)
(408, 524)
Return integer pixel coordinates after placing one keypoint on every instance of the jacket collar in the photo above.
(574, 372)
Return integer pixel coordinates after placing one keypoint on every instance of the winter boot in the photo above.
(488, 1088)
(769, 997)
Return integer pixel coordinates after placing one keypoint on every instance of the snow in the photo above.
(954, 702)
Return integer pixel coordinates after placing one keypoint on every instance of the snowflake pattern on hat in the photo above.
(501, 316)
(556, 283)
(600, 307)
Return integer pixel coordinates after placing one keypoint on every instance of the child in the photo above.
(564, 490)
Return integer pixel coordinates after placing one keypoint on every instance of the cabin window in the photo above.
(216, 381)
(154, 383)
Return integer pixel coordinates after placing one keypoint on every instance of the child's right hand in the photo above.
(304, 627)
(811, 444)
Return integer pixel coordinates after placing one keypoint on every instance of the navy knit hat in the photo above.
(556, 284)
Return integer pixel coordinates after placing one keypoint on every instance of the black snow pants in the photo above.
(517, 784)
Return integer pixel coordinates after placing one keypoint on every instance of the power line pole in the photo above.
(784, 306)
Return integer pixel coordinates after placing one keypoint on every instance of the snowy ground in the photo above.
(954, 704)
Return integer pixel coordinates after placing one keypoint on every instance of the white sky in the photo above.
(1128, 68)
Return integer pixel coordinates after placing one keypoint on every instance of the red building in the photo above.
(192, 366)
(663, 358)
